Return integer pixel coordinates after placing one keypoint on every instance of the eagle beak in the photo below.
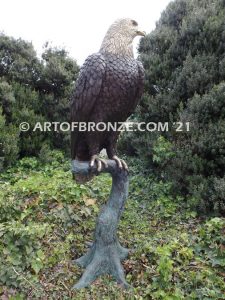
(142, 33)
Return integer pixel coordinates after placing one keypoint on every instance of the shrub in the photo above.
(184, 66)
(8, 143)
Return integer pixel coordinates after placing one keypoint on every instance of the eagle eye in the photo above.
(134, 23)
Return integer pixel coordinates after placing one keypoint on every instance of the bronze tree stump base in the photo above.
(106, 254)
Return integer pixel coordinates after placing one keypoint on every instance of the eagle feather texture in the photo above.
(108, 89)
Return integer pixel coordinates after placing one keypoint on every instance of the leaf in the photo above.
(37, 266)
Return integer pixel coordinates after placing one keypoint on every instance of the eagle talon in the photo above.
(120, 163)
(100, 162)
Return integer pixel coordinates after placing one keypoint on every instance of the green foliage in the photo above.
(47, 155)
(27, 163)
(46, 218)
(8, 149)
(35, 90)
(59, 73)
(184, 66)
(30, 141)
(18, 61)
(20, 244)
(212, 241)
(6, 99)
(162, 151)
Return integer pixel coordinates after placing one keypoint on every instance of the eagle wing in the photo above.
(139, 89)
(87, 89)
(141, 74)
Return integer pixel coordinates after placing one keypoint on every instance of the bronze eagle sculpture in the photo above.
(108, 89)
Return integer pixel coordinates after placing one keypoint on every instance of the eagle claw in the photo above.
(99, 161)
(120, 163)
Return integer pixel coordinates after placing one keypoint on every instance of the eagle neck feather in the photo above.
(117, 44)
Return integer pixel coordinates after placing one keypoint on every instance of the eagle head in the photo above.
(127, 28)
(120, 35)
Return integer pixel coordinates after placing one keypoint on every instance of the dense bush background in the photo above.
(33, 90)
(184, 60)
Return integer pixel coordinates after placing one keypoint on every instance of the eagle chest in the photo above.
(120, 85)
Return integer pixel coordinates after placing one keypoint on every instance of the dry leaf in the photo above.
(89, 201)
